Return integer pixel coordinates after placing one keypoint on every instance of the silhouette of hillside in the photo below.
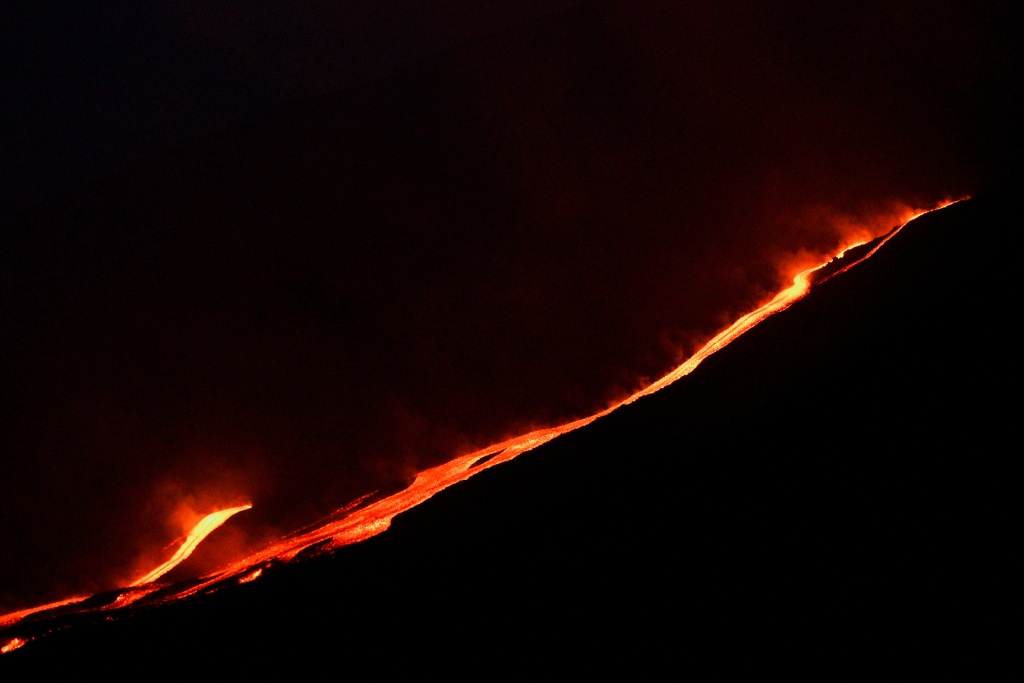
(832, 487)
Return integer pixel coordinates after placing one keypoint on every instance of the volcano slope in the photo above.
(833, 483)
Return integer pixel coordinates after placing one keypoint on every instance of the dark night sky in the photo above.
(289, 256)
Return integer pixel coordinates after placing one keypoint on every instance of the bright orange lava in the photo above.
(204, 528)
(358, 524)
(14, 617)
(13, 645)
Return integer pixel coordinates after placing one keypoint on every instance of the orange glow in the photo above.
(362, 519)
(251, 576)
(360, 524)
(201, 530)
(14, 617)
(851, 232)
(913, 215)
(12, 645)
(129, 596)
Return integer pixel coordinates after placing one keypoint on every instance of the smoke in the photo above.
(317, 303)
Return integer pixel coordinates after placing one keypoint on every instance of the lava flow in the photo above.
(361, 520)
(201, 530)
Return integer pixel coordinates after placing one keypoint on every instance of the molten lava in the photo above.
(361, 520)
(204, 528)
(13, 645)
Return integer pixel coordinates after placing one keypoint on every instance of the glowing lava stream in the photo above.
(204, 528)
(359, 524)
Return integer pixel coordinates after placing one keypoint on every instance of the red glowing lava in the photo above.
(204, 528)
(357, 522)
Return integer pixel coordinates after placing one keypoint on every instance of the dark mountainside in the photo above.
(309, 303)
(834, 486)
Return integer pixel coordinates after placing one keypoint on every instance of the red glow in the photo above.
(14, 617)
(357, 522)
(251, 576)
(201, 530)
(12, 645)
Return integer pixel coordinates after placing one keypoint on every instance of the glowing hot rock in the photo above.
(358, 522)
(204, 528)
